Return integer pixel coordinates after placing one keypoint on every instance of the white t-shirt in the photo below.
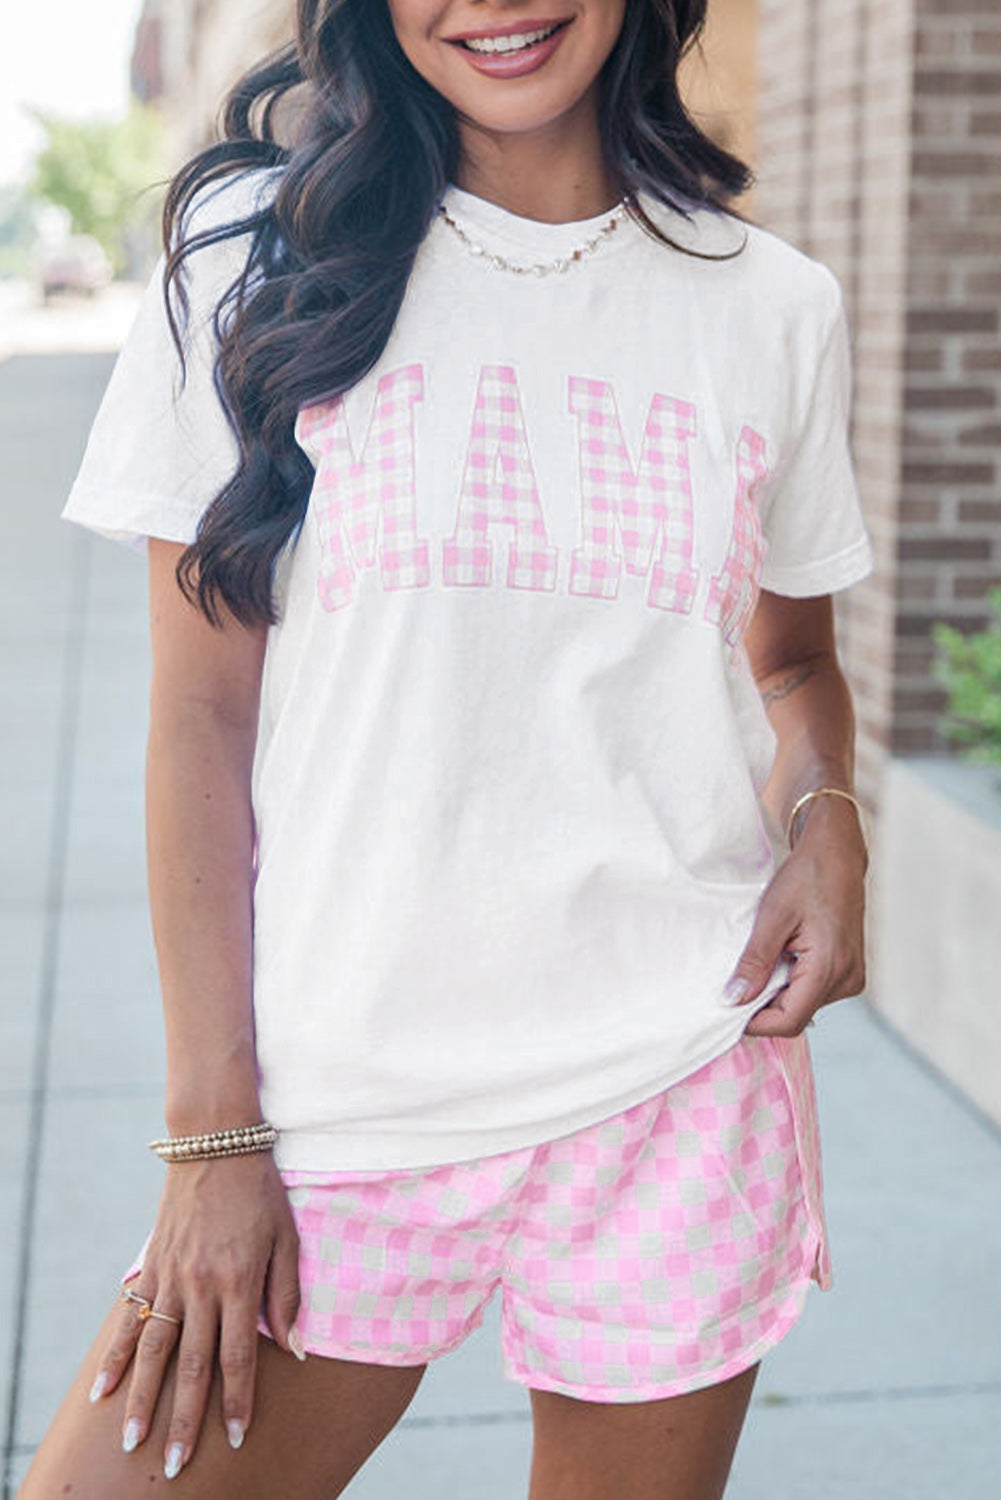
(510, 747)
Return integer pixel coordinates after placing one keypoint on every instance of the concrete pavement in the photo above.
(890, 1384)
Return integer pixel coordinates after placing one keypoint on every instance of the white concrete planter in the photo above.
(936, 906)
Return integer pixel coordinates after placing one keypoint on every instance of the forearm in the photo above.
(810, 707)
(200, 840)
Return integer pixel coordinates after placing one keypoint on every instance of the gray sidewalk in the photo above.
(889, 1385)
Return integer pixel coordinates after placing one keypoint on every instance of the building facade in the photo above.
(187, 53)
(880, 152)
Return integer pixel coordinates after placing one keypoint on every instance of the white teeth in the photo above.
(507, 43)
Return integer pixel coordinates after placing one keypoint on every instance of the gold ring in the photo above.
(146, 1309)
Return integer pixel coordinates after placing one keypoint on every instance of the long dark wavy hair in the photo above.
(332, 248)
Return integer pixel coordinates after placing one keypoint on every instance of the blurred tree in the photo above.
(105, 173)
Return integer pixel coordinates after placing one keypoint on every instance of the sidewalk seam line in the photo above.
(73, 647)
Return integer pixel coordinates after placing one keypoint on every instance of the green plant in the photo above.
(969, 667)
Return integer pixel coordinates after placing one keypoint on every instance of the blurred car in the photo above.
(78, 263)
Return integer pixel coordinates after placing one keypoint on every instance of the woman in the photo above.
(491, 541)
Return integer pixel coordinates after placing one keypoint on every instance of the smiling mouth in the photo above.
(505, 45)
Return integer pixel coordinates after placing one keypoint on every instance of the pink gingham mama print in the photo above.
(638, 514)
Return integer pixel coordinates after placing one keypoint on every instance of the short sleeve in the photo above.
(811, 511)
(157, 454)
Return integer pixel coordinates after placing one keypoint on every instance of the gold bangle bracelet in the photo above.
(835, 791)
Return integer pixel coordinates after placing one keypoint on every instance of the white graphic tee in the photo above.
(507, 778)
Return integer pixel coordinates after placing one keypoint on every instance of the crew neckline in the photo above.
(490, 223)
(500, 230)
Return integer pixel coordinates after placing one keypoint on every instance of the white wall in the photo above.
(936, 901)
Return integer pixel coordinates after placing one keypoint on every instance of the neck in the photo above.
(555, 174)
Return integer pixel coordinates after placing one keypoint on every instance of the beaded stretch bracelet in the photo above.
(235, 1142)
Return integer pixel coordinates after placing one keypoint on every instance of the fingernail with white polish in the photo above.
(131, 1437)
(735, 991)
(173, 1465)
(234, 1430)
(97, 1389)
(295, 1343)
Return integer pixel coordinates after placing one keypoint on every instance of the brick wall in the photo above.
(950, 540)
(879, 150)
(833, 167)
(204, 47)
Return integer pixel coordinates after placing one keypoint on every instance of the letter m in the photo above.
(351, 495)
(647, 506)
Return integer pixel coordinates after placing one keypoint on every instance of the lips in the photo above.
(516, 28)
(515, 62)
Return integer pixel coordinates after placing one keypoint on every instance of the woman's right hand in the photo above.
(224, 1237)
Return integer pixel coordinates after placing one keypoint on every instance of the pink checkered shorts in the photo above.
(660, 1250)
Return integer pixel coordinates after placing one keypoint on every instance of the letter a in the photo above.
(511, 500)
(350, 494)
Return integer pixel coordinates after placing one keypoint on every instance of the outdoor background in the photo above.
(874, 127)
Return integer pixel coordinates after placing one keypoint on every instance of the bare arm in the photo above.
(814, 906)
(224, 1237)
(793, 655)
(200, 842)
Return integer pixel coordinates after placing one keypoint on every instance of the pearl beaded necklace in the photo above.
(539, 268)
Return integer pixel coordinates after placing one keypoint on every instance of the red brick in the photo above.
(963, 10)
(919, 512)
(944, 548)
(931, 471)
(918, 738)
(926, 359)
(912, 700)
(936, 44)
(950, 398)
(960, 240)
(982, 283)
(945, 167)
(915, 655)
(916, 624)
(957, 83)
(977, 359)
(952, 320)
(975, 585)
(987, 435)
(928, 443)
(979, 511)
(916, 585)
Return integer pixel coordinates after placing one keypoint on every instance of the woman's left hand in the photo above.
(813, 909)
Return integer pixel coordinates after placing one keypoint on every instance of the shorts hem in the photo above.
(359, 1354)
(682, 1386)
